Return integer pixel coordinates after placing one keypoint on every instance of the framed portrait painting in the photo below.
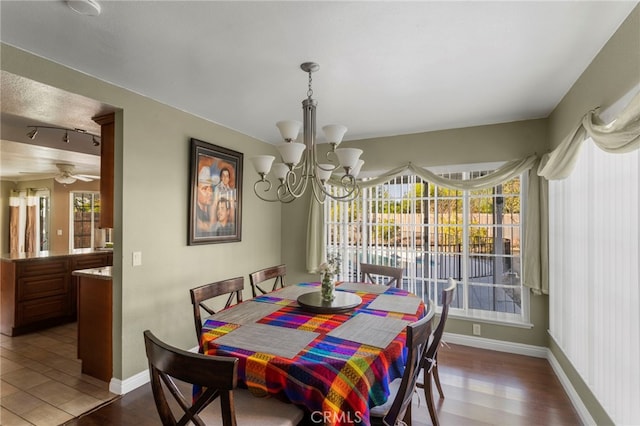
(215, 205)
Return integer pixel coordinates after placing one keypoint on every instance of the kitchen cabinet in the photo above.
(39, 291)
(107, 124)
(95, 317)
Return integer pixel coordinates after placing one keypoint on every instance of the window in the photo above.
(85, 208)
(434, 233)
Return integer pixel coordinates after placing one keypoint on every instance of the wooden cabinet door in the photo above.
(107, 147)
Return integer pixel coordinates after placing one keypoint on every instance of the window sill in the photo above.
(506, 323)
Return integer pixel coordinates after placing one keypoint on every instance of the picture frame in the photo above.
(215, 188)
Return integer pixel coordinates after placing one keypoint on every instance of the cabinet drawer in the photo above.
(42, 309)
(47, 267)
(30, 288)
(87, 262)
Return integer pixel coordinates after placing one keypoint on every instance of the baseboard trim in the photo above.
(582, 410)
(496, 345)
(529, 350)
(121, 387)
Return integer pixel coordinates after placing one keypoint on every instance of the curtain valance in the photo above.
(619, 136)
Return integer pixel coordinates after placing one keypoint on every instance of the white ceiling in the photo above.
(386, 68)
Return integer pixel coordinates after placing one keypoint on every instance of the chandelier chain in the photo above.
(310, 90)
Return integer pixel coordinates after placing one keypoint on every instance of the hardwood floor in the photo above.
(481, 387)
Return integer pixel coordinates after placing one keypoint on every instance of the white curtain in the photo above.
(594, 233)
(594, 293)
(618, 136)
(23, 222)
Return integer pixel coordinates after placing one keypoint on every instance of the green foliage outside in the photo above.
(387, 231)
(82, 203)
(449, 209)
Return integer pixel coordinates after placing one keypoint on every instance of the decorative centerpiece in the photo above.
(329, 270)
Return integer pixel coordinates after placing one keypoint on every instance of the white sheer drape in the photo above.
(594, 249)
(594, 293)
(619, 136)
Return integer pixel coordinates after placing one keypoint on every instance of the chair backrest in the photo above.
(276, 273)
(447, 298)
(369, 270)
(418, 334)
(216, 375)
(232, 286)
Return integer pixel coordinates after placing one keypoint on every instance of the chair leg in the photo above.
(407, 416)
(436, 377)
(428, 395)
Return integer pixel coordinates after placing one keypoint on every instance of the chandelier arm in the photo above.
(295, 186)
(283, 195)
(351, 194)
(321, 195)
(269, 186)
(328, 156)
(298, 185)
(282, 198)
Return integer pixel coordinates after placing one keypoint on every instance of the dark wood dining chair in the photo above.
(171, 369)
(398, 405)
(392, 275)
(430, 361)
(232, 286)
(258, 278)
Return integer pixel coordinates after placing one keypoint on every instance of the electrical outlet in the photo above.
(476, 329)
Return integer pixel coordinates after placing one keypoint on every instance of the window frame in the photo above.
(72, 221)
(424, 287)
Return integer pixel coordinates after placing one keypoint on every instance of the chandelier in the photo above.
(300, 167)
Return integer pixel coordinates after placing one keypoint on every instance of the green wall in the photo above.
(151, 199)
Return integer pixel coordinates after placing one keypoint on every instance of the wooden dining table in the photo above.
(336, 364)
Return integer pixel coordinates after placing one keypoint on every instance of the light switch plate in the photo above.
(137, 258)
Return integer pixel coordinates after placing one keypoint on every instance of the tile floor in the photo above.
(41, 382)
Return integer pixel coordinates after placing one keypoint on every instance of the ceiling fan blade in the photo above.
(82, 178)
(41, 175)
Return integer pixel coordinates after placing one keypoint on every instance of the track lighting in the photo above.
(95, 139)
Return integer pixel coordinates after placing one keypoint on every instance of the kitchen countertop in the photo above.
(103, 273)
(50, 254)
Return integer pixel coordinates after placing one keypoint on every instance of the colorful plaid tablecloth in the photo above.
(337, 380)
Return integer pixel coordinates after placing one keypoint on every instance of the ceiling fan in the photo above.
(67, 176)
